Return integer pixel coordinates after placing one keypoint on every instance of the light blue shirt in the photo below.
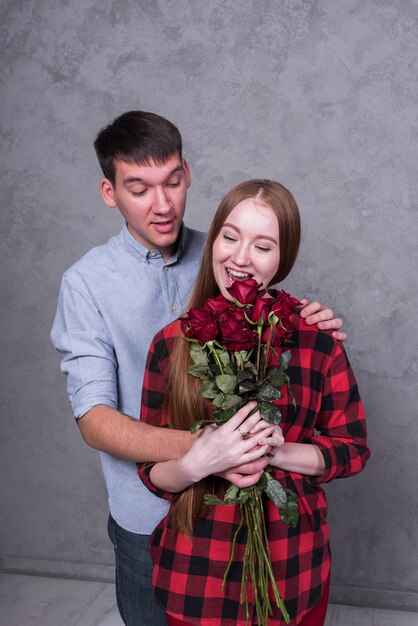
(111, 304)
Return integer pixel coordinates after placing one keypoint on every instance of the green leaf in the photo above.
(244, 495)
(209, 390)
(210, 499)
(242, 357)
(276, 377)
(231, 368)
(275, 492)
(268, 392)
(227, 401)
(233, 401)
(198, 425)
(289, 512)
(219, 401)
(231, 493)
(198, 355)
(245, 374)
(226, 383)
(250, 367)
(246, 386)
(270, 413)
(222, 416)
(223, 356)
(199, 371)
(285, 360)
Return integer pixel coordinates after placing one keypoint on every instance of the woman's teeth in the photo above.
(233, 274)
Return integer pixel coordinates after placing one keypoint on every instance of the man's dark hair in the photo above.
(136, 137)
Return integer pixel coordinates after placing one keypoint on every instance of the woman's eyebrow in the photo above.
(260, 236)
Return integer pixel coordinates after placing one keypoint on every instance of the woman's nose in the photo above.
(241, 255)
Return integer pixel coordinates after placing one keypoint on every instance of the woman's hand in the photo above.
(239, 445)
(273, 439)
(240, 440)
(249, 474)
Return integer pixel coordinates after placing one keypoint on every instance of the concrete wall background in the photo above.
(319, 94)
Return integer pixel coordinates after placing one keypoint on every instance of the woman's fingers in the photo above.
(240, 416)
(249, 424)
(275, 440)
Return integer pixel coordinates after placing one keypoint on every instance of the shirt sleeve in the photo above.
(341, 424)
(152, 403)
(80, 334)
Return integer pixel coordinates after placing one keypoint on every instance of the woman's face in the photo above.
(247, 246)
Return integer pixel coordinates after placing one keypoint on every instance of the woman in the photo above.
(255, 234)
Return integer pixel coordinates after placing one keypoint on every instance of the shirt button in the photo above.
(174, 307)
(165, 268)
(153, 253)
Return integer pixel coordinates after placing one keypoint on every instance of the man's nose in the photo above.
(162, 203)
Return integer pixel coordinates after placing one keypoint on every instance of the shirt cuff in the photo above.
(144, 470)
(327, 448)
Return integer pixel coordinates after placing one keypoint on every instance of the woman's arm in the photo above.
(302, 458)
(340, 447)
(216, 450)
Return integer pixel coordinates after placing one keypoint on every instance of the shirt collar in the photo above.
(146, 255)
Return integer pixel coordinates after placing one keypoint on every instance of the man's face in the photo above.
(152, 199)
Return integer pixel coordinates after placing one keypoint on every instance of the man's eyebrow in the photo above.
(137, 179)
(260, 236)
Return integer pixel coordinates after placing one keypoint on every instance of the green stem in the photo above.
(266, 556)
(232, 552)
(212, 349)
(257, 567)
(260, 591)
(259, 331)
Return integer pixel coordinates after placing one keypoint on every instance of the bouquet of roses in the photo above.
(232, 347)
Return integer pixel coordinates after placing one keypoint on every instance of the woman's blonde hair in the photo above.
(183, 400)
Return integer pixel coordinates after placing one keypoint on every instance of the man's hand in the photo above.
(317, 313)
(246, 475)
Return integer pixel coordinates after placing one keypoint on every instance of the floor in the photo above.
(41, 601)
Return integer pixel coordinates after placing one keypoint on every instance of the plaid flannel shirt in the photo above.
(188, 572)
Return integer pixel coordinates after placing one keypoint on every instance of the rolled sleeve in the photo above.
(342, 437)
(144, 471)
(153, 390)
(79, 333)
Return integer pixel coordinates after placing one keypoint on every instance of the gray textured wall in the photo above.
(319, 94)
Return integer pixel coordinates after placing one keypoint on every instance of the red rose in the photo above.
(236, 332)
(279, 332)
(232, 312)
(217, 304)
(285, 304)
(261, 309)
(244, 291)
(200, 325)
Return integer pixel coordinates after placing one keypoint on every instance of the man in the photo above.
(111, 303)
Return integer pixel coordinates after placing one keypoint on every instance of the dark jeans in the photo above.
(134, 592)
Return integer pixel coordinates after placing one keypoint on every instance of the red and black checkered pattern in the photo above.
(188, 572)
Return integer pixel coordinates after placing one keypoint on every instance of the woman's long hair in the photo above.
(183, 400)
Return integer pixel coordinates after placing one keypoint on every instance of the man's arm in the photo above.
(108, 430)
(88, 359)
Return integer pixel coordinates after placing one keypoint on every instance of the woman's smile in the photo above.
(247, 246)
